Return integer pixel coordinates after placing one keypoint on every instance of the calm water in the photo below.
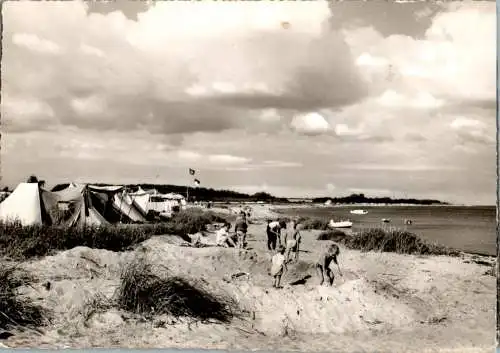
(471, 229)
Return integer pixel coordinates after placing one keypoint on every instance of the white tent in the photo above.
(22, 205)
(151, 200)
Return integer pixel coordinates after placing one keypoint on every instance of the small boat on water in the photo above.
(359, 211)
(386, 220)
(341, 224)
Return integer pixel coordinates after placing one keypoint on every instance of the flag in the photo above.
(196, 182)
(191, 171)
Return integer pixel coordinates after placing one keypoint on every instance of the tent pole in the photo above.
(187, 193)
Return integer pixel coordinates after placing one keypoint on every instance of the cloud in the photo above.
(227, 159)
(372, 96)
(163, 72)
(472, 130)
(35, 43)
(310, 124)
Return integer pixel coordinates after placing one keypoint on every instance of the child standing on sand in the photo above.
(240, 228)
(324, 263)
(278, 267)
(292, 242)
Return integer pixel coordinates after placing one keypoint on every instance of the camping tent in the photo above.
(151, 200)
(22, 205)
(77, 204)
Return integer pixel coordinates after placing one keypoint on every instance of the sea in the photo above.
(467, 228)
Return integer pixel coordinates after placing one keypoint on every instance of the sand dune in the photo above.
(384, 302)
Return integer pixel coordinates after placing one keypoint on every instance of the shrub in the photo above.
(333, 235)
(308, 223)
(397, 241)
(142, 292)
(17, 312)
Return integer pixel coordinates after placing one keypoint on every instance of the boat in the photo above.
(386, 220)
(341, 224)
(359, 211)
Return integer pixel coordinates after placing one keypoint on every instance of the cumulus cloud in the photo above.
(310, 124)
(163, 72)
(141, 91)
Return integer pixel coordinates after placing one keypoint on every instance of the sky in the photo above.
(298, 99)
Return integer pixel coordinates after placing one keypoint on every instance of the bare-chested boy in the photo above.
(325, 261)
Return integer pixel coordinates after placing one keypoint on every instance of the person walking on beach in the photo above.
(292, 241)
(278, 266)
(323, 266)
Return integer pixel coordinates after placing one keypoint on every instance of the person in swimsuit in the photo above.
(278, 266)
(292, 241)
(240, 228)
(323, 266)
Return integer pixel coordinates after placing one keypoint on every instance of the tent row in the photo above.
(84, 204)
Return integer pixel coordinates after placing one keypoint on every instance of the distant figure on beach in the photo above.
(223, 238)
(324, 263)
(274, 233)
(278, 267)
(292, 241)
(241, 228)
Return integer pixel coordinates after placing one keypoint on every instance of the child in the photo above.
(324, 263)
(240, 228)
(278, 266)
(293, 242)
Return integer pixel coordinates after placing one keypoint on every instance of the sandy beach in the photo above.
(383, 301)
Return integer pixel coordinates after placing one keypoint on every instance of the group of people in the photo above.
(283, 247)
(236, 239)
(282, 241)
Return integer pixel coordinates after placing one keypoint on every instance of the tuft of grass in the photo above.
(16, 311)
(394, 240)
(99, 303)
(142, 292)
(20, 242)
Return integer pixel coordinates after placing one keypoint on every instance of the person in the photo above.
(277, 226)
(292, 242)
(223, 238)
(278, 266)
(240, 228)
(324, 263)
(273, 234)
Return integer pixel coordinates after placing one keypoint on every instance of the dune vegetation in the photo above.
(143, 292)
(17, 311)
(22, 242)
(393, 240)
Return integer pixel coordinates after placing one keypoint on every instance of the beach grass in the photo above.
(20, 242)
(143, 292)
(17, 311)
(388, 240)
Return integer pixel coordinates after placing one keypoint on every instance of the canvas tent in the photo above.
(22, 205)
(77, 204)
(151, 200)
